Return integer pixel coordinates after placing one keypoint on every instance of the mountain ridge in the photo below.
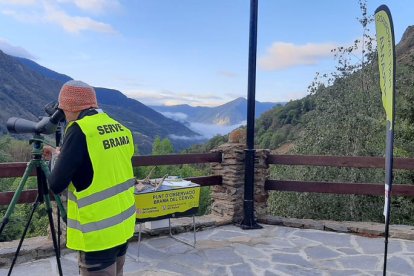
(230, 113)
(26, 87)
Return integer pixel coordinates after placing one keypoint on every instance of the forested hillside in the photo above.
(343, 115)
(346, 116)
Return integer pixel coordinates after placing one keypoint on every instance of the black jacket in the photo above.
(73, 163)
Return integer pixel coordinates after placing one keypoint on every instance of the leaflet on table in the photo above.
(175, 183)
(167, 185)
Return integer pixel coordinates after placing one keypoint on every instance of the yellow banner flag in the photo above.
(386, 59)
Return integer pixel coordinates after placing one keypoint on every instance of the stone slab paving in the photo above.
(273, 250)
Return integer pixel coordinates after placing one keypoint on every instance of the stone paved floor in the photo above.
(273, 250)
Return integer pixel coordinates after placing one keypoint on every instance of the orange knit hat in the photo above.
(76, 96)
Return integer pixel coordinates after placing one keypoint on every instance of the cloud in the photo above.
(282, 55)
(207, 131)
(210, 130)
(191, 138)
(94, 6)
(176, 116)
(18, 2)
(166, 97)
(16, 51)
(75, 24)
(150, 97)
(23, 16)
(228, 74)
(51, 12)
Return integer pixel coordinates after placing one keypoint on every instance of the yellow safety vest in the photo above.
(103, 215)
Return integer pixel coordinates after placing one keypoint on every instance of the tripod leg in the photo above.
(16, 195)
(24, 234)
(44, 190)
(60, 210)
(59, 230)
(59, 203)
(53, 233)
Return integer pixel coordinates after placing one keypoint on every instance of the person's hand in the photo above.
(48, 151)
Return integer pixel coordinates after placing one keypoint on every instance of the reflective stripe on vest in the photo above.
(101, 195)
(94, 226)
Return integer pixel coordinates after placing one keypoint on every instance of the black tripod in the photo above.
(42, 171)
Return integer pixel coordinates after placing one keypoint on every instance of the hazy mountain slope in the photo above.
(231, 113)
(46, 72)
(139, 116)
(23, 92)
(26, 87)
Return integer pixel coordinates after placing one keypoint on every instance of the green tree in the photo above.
(156, 146)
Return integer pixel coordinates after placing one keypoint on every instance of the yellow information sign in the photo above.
(158, 204)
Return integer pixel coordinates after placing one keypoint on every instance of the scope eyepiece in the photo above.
(57, 117)
(50, 108)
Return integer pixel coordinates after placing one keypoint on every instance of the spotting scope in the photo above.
(46, 125)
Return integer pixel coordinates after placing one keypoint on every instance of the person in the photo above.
(94, 163)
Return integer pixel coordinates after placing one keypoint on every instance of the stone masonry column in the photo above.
(261, 174)
(228, 198)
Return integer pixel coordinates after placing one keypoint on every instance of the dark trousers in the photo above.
(108, 262)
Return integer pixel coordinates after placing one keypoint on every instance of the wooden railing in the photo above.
(17, 169)
(335, 187)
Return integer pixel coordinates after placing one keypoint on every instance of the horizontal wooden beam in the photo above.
(29, 196)
(207, 180)
(339, 161)
(176, 159)
(337, 188)
(17, 169)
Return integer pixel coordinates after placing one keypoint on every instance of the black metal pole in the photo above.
(58, 136)
(249, 221)
(389, 160)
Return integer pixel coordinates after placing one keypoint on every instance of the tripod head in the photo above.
(37, 142)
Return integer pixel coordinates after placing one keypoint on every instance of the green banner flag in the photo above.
(386, 59)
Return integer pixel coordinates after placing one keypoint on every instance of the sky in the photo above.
(188, 51)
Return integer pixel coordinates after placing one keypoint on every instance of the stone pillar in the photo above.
(261, 174)
(228, 198)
